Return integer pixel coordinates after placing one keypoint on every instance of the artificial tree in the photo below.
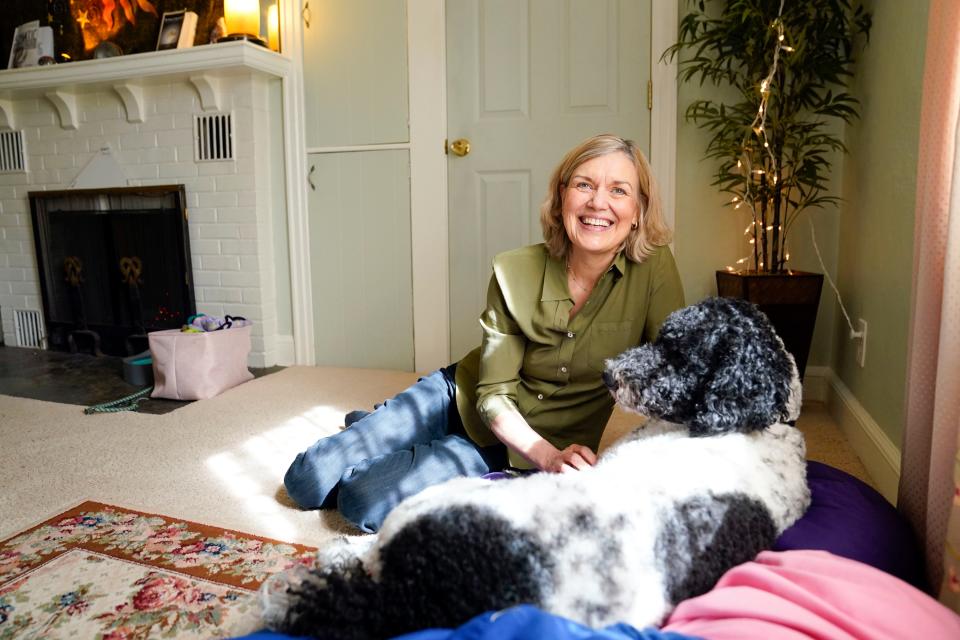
(788, 64)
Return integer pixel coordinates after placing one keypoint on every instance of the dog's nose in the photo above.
(609, 381)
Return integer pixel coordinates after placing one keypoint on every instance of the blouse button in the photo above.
(569, 334)
(563, 369)
(539, 396)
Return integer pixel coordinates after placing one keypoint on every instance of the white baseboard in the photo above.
(879, 454)
(816, 383)
(286, 354)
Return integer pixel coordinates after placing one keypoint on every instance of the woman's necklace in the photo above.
(573, 276)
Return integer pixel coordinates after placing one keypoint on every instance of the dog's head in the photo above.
(716, 366)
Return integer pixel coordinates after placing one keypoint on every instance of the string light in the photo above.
(758, 126)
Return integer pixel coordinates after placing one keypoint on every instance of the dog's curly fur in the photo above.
(706, 484)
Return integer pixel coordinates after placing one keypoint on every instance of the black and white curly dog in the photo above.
(706, 484)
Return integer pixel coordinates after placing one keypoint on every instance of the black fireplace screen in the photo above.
(114, 265)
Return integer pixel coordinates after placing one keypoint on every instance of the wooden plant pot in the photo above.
(790, 299)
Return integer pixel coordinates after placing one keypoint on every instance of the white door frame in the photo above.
(295, 160)
(427, 57)
(426, 49)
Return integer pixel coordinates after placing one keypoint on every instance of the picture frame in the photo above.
(177, 30)
(32, 45)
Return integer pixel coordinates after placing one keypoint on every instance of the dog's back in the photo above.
(659, 519)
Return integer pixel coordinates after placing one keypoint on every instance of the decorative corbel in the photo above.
(66, 105)
(209, 89)
(6, 114)
(131, 93)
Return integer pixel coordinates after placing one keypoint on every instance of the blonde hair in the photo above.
(652, 232)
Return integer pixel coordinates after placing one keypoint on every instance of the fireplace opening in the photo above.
(114, 264)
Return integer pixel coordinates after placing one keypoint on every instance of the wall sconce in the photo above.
(243, 21)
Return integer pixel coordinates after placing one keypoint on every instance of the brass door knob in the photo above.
(460, 147)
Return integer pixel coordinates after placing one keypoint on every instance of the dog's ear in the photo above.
(752, 381)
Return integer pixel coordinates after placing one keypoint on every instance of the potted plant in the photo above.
(787, 64)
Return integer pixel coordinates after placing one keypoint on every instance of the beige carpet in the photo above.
(221, 461)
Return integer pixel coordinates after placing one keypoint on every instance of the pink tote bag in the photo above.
(197, 366)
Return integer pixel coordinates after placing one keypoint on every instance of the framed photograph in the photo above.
(32, 45)
(177, 30)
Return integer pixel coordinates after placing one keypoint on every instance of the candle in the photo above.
(273, 28)
(242, 16)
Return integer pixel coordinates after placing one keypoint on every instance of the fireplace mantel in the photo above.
(202, 66)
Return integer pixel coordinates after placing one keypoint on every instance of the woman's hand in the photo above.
(513, 431)
(575, 457)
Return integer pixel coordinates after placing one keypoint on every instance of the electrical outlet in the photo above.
(861, 341)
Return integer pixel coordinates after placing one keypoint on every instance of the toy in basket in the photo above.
(203, 359)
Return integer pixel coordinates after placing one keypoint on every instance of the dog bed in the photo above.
(847, 518)
(782, 595)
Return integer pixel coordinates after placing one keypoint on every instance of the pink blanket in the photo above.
(794, 595)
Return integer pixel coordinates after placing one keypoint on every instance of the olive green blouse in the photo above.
(536, 359)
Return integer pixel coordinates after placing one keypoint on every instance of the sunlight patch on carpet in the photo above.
(253, 471)
(325, 415)
(257, 501)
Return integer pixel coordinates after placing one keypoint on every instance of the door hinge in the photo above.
(650, 95)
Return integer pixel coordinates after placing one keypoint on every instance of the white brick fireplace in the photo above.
(130, 121)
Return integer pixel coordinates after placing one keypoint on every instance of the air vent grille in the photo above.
(28, 327)
(213, 137)
(11, 152)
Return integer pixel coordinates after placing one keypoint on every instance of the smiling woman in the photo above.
(600, 209)
(602, 200)
(531, 396)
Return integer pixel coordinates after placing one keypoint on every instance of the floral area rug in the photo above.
(99, 571)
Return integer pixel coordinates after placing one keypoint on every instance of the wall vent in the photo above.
(213, 137)
(11, 152)
(28, 327)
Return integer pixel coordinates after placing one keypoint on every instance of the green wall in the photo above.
(865, 242)
(879, 191)
(710, 234)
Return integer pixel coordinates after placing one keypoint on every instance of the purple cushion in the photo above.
(497, 475)
(850, 518)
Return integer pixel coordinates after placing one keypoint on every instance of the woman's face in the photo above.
(599, 204)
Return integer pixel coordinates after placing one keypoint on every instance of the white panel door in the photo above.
(355, 73)
(356, 94)
(360, 261)
(526, 81)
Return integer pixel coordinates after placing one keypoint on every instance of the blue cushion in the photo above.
(520, 623)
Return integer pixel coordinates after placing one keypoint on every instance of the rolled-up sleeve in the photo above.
(501, 357)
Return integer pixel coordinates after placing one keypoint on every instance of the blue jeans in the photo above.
(410, 442)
